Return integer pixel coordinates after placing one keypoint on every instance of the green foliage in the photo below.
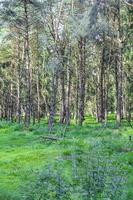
(91, 178)
(49, 185)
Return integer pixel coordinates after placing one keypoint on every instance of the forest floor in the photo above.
(24, 153)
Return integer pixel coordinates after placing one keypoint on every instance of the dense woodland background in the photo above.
(66, 99)
(66, 58)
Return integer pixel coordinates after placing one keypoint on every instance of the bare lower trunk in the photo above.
(77, 98)
(28, 67)
(38, 98)
(63, 98)
(10, 113)
(18, 83)
(53, 101)
(98, 97)
(118, 68)
(68, 96)
(118, 79)
(106, 97)
(18, 103)
(81, 46)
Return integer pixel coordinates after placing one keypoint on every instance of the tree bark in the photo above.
(18, 81)
(118, 71)
(52, 109)
(81, 46)
(38, 97)
(68, 95)
(63, 98)
(76, 116)
(28, 67)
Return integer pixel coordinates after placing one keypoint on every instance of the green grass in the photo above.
(24, 152)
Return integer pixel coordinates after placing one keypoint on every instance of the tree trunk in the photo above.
(102, 89)
(118, 79)
(68, 95)
(53, 101)
(77, 97)
(18, 82)
(28, 67)
(98, 97)
(118, 71)
(81, 45)
(63, 98)
(10, 102)
(38, 97)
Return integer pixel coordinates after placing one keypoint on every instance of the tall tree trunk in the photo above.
(106, 95)
(102, 89)
(118, 70)
(98, 96)
(28, 67)
(10, 102)
(81, 45)
(77, 97)
(68, 95)
(18, 102)
(118, 79)
(52, 109)
(103, 65)
(18, 82)
(38, 96)
(63, 98)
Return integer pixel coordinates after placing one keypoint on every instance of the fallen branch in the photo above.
(128, 4)
(50, 138)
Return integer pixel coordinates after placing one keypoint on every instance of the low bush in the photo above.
(89, 178)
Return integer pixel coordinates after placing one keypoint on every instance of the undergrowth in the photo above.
(92, 162)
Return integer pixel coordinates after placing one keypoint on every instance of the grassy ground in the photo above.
(24, 152)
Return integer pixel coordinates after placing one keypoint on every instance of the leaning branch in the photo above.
(128, 4)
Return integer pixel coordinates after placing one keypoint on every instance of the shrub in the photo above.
(89, 178)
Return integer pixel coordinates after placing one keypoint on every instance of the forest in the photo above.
(66, 99)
